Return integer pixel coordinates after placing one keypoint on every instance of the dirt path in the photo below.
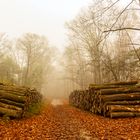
(62, 122)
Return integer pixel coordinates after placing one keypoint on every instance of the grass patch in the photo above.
(34, 109)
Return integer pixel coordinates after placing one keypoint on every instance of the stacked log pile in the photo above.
(15, 101)
(113, 100)
(80, 99)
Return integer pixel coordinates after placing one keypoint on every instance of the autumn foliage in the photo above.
(64, 122)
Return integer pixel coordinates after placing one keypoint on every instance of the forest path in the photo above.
(60, 121)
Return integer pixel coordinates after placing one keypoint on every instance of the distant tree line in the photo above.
(25, 61)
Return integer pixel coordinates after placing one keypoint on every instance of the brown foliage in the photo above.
(64, 122)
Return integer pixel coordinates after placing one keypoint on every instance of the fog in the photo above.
(43, 17)
(61, 46)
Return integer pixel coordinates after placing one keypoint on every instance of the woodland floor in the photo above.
(62, 122)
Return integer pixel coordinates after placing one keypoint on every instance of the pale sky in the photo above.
(45, 17)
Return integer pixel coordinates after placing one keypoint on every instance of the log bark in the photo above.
(19, 93)
(15, 101)
(124, 83)
(9, 96)
(10, 106)
(10, 112)
(120, 97)
(116, 83)
(20, 90)
(136, 102)
(105, 108)
(124, 114)
(103, 87)
(123, 108)
(21, 105)
(118, 90)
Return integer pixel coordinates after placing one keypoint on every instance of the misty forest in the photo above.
(89, 89)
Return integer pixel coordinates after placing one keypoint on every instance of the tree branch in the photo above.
(120, 29)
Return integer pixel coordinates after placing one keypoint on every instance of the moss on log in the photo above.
(12, 97)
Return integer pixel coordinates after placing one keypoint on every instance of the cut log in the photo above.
(118, 90)
(20, 90)
(104, 99)
(116, 83)
(10, 106)
(103, 87)
(9, 96)
(123, 108)
(107, 98)
(124, 114)
(125, 83)
(120, 97)
(10, 112)
(105, 108)
(21, 105)
(14, 92)
(136, 102)
(15, 101)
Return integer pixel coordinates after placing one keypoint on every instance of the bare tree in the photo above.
(36, 54)
(108, 55)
